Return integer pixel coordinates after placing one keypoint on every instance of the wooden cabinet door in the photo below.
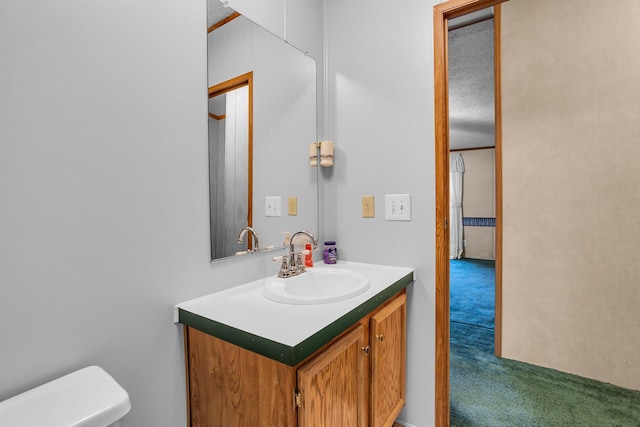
(232, 386)
(388, 362)
(333, 386)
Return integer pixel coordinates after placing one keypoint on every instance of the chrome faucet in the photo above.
(293, 264)
(296, 234)
(256, 245)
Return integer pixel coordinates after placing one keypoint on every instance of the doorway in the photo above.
(472, 263)
(471, 75)
(442, 14)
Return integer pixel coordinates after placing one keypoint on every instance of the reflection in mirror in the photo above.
(280, 112)
(230, 152)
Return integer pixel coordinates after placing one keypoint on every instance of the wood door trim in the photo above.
(497, 57)
(441, 14)
(223, 21)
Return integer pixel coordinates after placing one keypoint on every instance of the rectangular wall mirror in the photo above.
(262, 117)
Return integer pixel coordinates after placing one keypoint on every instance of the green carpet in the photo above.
(487, 391)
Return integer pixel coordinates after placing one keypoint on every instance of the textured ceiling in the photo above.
(471, 83)
(217, 11)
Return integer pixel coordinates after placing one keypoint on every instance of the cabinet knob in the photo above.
(366, 350)
(380, 337)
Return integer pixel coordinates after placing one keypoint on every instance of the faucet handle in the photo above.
(281, 258)
(284, 260)
(284, 267)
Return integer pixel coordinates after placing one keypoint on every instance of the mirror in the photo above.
(262, 117)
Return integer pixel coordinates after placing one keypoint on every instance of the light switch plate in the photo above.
(397, 207)
(272, 206)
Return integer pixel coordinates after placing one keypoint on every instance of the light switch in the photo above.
(397, 207)
(272, 206)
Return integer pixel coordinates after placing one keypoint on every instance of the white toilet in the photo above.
(88, 397)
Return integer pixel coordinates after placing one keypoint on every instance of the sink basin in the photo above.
(318, 285)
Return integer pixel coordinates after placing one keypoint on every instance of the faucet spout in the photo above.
(256, 245)
(306, 233)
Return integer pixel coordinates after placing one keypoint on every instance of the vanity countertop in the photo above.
(288, 333)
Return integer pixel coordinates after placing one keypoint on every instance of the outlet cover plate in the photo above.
(272, 206)
(397, 207)
(292, 206)
(368, 208)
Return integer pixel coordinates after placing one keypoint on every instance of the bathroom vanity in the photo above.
(254, 361)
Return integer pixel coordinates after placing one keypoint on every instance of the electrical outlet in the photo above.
(397, 207)
(368, 210)
(272, 206)
(292, 206)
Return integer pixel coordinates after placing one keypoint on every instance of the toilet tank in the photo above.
(88, 397)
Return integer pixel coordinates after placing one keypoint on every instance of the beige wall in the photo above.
(478, 200)
(571, 148)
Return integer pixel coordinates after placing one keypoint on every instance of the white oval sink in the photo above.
(317, 285)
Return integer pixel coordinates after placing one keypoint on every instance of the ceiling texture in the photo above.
(471, 86)
(217, 11)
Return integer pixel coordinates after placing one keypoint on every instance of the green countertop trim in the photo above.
(255, 343)
(291, 356)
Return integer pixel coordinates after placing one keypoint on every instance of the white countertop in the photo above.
(245, 308)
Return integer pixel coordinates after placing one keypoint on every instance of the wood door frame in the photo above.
(441, 14)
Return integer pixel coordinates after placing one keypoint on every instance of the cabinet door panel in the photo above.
(231, 386)
(388, 362)
(332, 385)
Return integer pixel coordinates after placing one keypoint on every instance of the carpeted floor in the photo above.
(488, 391)
(472, 284)
(472, 302)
